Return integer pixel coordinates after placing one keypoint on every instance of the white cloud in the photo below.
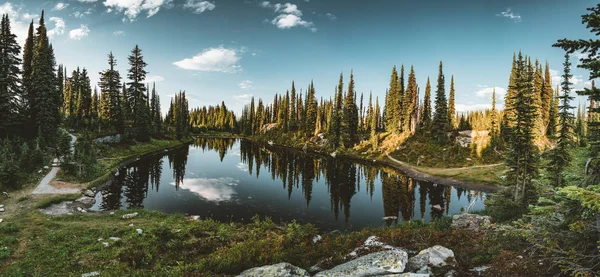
(475, 107)
(509, 14)
(243, 98)
(289, 16)
(118, 33)
(60, 6)
(331, 16)
(59, 27)
(577, 81)
(88, 1)
(79, 33)
(199, 6)
(246, 84)
(212, 59)
(486, 91)
(28, 16)
(78, 14)
(154, 78)
(132, 8)
(7, 8)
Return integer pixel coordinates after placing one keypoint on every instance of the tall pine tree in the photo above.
(440, 124)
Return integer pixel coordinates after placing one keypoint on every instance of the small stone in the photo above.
(46, 167)
(436, 258)
(390, 217)
(89, 193)
(111, 213)
(131, 225)
(105, 244)
(79, 209)
(128, 216)
(1, 206)
(176, 230)
(87, 201)
(1, 209)
(100, 239)
(1, 220)
(280, 269)
(317, 238)
(194, 217)
(90, 274)
(437, 207)
(5, 194)
(139, 231)
(114, 239)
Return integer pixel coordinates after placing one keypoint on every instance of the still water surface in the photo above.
(233, 180)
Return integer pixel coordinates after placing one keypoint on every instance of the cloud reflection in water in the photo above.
(210, 189)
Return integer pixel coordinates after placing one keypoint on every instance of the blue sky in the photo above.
(232, 49)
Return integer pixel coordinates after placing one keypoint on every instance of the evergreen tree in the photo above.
(399, 110)
(391, 101)
(451, 105)
(494, 116)
(547, 96)
(409, 104)
(311, 111)
(95, 105)
(350, 116)
(155, 113)
(27, 96)
(110, 84)
(293, 115)
(426, 121)
(45, 108)
(439, 125)
(10, 81)
(560, 156)
(522, 158)
(335, 126)
(135, 91)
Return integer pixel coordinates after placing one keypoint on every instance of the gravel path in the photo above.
(44, 186)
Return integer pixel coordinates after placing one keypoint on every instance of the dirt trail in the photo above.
(44, 186)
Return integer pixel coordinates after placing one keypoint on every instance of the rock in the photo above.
(317, 238)
(451, 273)
(129, 216)
(1, 220)
(5, 194)
(114, 239)
(46, 167)
(371, 244)
(1, 206)
(472, 222)
(275, 270)
(108, 139)
(87, 201)
(131, 225)
(89, 193)
(90, 274)
(100, 239)
(111, 213)
(139, 231)
(379, 263)
(436, 258)
(1, 210)
(480, 269)
(314, 269)
(105, 244)
(409, 274)
(81, 210)
(390, 217)
(437, 207)
(194, 217)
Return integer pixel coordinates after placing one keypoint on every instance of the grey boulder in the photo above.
(472, 222)
(436, 259)
(379, 263)
(275, 270)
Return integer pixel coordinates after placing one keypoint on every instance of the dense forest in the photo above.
(536, 132)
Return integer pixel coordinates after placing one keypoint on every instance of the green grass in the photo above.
(41, 245)
(45, 203)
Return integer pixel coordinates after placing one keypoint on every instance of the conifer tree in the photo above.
(439, 126)
(522, 158)
(426, 121)
(110, 84)
(10, 81)
(350, 116)
(135, 91)
(399, 110)
(293, 116)
(155, 114)
(547, 96)
(95, 105)
(104, 108)
(560, 156)
(27, 96)
(370, 111)
(45, 108)
(494, 116)
(451, 105)
(335, 126)
(409, 106)
(391, 101)
(311, 110)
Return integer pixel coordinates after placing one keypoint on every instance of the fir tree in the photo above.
(95, 105)
(110, 84)
(426, 121)
(45, 108)
(27, 96)
(494, 116)
(135, 91)
(547, 96)
(522, 158)
(451, 105)
(293, 116)
(391, 101)
(439, 126)
(10, 81)
(335, 127)
(409, 104)
(560, 156)
(311, 110)
(350, 116)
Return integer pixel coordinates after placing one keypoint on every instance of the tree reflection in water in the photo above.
(295, 170)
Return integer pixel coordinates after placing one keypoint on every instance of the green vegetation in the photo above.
(45, 203)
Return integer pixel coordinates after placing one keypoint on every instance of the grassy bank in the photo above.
(34, 244)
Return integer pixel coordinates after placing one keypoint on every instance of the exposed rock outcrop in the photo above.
(471, 222)
(437, 260)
